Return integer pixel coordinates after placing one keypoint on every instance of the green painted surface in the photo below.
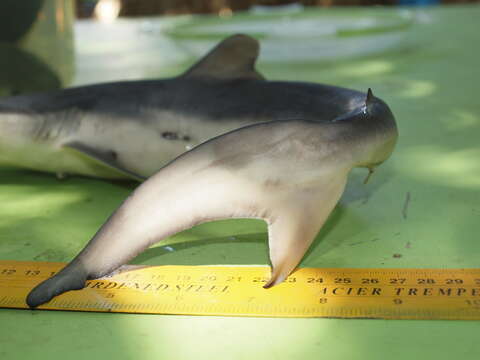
(431, 87)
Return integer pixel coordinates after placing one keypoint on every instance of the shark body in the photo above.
(131, 129)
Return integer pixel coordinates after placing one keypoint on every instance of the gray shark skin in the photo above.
(289, 173)
(132, 129)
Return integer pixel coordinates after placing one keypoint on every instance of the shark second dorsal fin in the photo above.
(233, 58)
(369, 99)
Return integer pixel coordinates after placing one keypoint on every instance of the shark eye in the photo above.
(169, 135)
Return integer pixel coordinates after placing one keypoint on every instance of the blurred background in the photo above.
(40, 51)
(85, 8)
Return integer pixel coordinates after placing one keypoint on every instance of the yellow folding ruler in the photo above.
(238, 291)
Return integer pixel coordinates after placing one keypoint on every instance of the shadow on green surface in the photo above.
(26, 72)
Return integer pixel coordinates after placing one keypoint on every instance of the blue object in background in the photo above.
(418, 2)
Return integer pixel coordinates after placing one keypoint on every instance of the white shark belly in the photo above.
(141, 146)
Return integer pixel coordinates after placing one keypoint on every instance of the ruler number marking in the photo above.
(474, 303)
(208, 278)
(370, 281)
(312, 280)
(8, 271)
(32, 272)
(345, 280)
(424, 281)
(453, 281)
(184, 278)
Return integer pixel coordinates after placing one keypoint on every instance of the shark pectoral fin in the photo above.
(233, 58)
(101, 159)
(293, 230)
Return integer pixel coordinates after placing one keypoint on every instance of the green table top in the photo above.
(432, 86)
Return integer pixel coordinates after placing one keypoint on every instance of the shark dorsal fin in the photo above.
(233, 58)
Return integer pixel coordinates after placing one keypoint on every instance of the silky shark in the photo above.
(131, 129)
(290, 173)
